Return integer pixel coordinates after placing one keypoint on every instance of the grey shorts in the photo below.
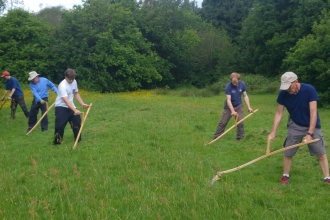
(296, 134)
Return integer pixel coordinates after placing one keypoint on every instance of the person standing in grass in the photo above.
(300, 100)
(233, 106)
(39, 88)
(65, 110)
(16, 94)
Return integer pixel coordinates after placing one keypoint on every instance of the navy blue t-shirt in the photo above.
(235, 92)
(298, 105)
(13, 83)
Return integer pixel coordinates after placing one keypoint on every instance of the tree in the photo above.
(227, 14)
(52, 15)
(189, 47)
(102, 42)
(2, 6)
(309, 58)
(272, 28)
(7, 5)
(23, 43)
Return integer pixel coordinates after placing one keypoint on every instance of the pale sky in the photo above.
(34, 5)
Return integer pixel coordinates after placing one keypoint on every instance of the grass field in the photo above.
(143, 156)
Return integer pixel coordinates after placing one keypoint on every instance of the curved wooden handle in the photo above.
(236, 119)
(41, 118)
(232, 127)
(217, 176)
(268, 146)
(82, 125)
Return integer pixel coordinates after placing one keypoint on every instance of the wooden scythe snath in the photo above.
(3, 102)
(268, 153)
(82, 124)
(236, 123)
(47, 110)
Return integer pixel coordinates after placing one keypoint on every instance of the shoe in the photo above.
(44, 129)
(285, 180)
(27, 131)
(238, 139)
(327, 180)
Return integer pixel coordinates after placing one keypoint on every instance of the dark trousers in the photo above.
(18, 100)
(33, 116)
(62, 117)
(226, 116)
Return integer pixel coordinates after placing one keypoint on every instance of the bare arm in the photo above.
(247, 101)
(313, 118)
(10, 95)
(230, 105)
(68, 103)
(12, 92)
(277, 120)
(79, 99)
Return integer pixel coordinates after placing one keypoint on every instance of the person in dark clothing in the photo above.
(16, 94)
(300, 100)
(233, 106)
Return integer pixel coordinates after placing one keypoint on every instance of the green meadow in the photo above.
(143, 156)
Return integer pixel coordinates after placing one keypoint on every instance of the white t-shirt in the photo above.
(66, 89)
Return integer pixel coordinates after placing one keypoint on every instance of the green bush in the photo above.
(162, 91)
(186, 92)
(256, 84)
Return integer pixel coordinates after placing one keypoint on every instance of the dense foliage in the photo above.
(126, 45)
(102, 42)
(272, 28)
(194, 51)
(310, 57)
(227, 14)
(24, 40)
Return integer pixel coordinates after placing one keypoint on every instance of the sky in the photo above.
(34, 5)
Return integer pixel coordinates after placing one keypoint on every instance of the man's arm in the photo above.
(277, 120)
(230, 105)
(52, 86)
(68, 103)
(247, 101)
(35, 93)
(313, 118)
(12, 92)
(79, 99)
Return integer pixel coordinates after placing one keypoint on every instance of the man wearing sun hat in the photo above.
(16, 94)
(39, 88)
(300, 100)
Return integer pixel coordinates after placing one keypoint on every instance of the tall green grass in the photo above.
(143, 156)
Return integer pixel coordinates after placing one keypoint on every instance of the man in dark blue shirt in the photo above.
(39, 88)
(233, 106)
(300, 100)
(16, 94)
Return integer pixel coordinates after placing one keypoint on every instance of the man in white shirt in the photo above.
(65, 110)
